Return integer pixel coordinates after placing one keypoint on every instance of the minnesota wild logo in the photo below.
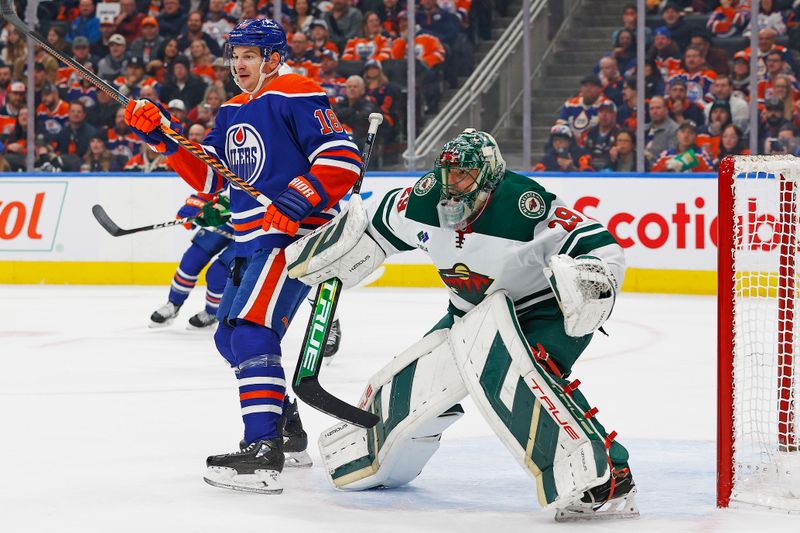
(469, 285)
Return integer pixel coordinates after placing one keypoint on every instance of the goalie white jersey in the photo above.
(507, 247)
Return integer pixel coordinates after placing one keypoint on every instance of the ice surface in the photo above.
(105, 424)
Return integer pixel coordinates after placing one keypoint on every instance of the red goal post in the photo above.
(757, 340)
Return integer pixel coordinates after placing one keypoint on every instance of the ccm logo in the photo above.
(14, 215)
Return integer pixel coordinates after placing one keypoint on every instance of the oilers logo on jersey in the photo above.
(245, 152)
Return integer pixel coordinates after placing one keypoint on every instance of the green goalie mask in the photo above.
(468, 170)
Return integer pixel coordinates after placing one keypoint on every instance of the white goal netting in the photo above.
(765, 340)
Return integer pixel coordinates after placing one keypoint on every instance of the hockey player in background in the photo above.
(281, 136)
(206, 245)
(530, 281)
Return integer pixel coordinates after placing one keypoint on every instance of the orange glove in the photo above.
(143, 115)
(279, 221)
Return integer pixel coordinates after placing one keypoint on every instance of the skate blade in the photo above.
(620, 508)
(156, 325)
(261, 482)
(210, 327)
(297, 460)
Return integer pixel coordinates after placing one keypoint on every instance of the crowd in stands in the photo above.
(171, 51)
(697, 90)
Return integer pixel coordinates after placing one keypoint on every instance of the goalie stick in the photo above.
(7, 12)
(115, 231)
(306, 375)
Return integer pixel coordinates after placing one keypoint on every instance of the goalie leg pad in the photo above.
(536, 420)
(416, 397)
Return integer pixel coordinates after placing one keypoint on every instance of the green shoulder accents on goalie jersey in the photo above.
(380, 221)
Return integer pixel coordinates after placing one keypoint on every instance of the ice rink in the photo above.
(106, 423)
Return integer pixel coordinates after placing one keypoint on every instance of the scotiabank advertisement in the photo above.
(663, 222)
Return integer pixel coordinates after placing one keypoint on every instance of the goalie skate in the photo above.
(596, 504)
(164, 315)
(256, 468)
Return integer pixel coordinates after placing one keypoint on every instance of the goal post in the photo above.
(757, 361)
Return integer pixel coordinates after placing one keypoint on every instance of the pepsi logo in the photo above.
(244, 149)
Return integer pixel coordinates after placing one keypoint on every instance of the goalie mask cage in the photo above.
(758, 357)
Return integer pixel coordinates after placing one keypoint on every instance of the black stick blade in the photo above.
(311, 392)
(105, 221)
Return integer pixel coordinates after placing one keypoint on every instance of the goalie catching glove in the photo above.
(339, 249)
(585, 289)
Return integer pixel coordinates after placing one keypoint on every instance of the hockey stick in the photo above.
(7, 12)
(306, 375)
(115, 231)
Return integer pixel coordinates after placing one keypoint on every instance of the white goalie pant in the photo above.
(485, 355)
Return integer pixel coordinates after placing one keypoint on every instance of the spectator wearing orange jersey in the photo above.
(664, 52)
(687, 156)
(52, 114)
(775, 69)
(201, 60)
(370, 44)
(147, 160)
(766, 44)
(134, 79)
(729, 19)
(695, 74)
(626, 116)
(430, 56)
(301, 58)
(319, 39)
(428, 47)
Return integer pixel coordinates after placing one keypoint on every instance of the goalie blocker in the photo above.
(484, 354)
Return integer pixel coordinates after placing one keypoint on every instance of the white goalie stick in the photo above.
(115, 231)
(306, 375)
(306, 384)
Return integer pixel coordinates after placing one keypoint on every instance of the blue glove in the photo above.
(144, 116)
(193, 206)
(303, 195)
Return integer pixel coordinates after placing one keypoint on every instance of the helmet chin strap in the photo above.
(261, 78)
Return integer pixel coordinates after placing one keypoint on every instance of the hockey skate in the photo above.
(164, 315)
(256, 468)
(202, 320)
(295, 440)
(613, 499)
(332, 344)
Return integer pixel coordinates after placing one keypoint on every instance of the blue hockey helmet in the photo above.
(266, 34)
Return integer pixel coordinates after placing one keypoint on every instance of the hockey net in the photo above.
(758, 356)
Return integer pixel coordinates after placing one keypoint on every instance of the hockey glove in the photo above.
(294, 204)
(193, 208)
(215, 213)
(145, 118)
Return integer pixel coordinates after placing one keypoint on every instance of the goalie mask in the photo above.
(469, 168)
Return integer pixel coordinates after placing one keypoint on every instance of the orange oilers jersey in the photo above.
(358, 48)
(428, 49)
(766, 89)
(7, 124)
(305, 68)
